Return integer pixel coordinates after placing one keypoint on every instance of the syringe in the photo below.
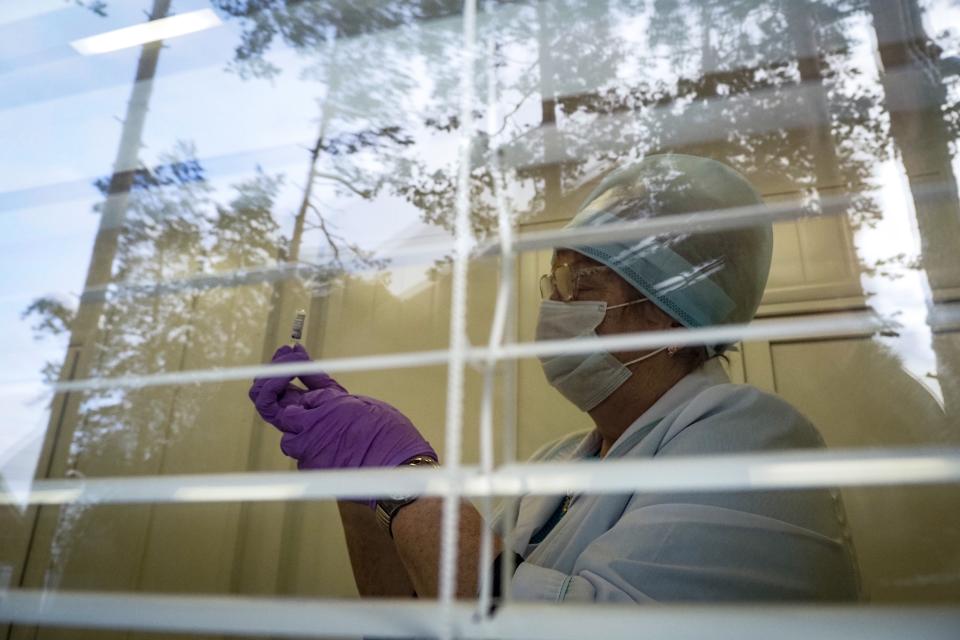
(297, 331)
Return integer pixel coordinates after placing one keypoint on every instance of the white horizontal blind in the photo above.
(767, 471)
(294, 617)
(833, 325)
(697, 222)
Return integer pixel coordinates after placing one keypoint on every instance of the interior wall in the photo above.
(907, 537)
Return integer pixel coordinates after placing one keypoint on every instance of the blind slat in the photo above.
(406, 618)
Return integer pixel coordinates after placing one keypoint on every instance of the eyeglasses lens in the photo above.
(563, 278)
(546, 286)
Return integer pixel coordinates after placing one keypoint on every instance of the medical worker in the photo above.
(693, 546)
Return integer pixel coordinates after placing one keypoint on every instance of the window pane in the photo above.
(184, 177)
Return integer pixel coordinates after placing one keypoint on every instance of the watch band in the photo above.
(387, 508)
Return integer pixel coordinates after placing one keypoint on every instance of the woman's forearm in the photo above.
(377, 568)
(417, 534)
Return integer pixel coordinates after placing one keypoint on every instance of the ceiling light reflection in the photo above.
(162, 29)
(240, 492)
(852, 472)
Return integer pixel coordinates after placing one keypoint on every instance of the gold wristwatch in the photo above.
(387, 508)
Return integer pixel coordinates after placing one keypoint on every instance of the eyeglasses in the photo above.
(565, 280)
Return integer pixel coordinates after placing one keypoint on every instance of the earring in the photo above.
(672, 350)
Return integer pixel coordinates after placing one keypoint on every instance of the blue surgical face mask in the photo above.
(585, 379)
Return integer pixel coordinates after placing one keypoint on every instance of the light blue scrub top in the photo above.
(706, 546)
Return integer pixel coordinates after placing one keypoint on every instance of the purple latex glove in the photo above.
(326, 427)
(278, 393)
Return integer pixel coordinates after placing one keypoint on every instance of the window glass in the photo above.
(181, 177)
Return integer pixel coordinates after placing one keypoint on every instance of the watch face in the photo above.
(401, 498)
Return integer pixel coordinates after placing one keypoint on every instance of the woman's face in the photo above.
(606, 285)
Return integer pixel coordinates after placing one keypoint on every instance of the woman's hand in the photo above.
(325, 427)
(271, 395)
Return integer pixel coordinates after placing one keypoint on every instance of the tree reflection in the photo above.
(920, 126)
(775, 89)
(173, 231)
(786, 92)
(779, 89)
